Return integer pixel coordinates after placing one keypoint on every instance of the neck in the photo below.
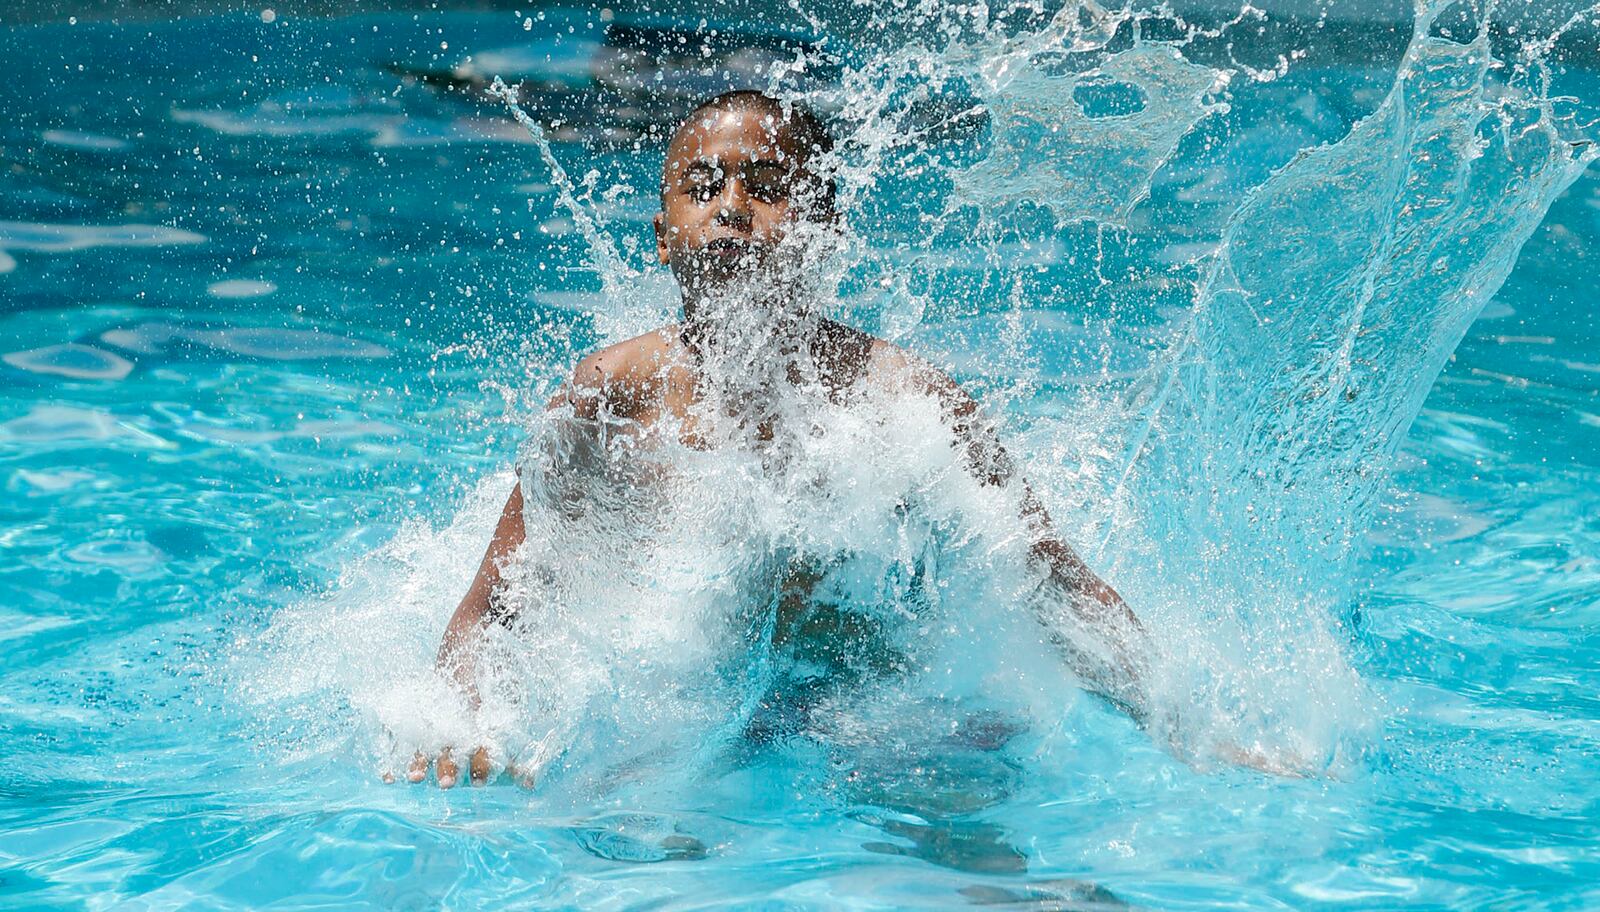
(748, 357)
(767, 324)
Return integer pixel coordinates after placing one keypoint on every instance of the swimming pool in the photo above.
(275, 316)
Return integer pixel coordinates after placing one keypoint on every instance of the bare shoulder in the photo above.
(630, 360)
(894, 369)
(626, 375)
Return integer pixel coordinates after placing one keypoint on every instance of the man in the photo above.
(742, 207)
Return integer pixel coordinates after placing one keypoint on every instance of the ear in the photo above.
(660, 223)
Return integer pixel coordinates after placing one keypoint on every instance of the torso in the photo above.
(654, 380)
(654, 383)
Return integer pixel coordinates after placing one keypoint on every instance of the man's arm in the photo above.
(482, 604)
(1106, 646)
(1095, 630)
(458, 651)
(1093, 627)
(457, 658)
(603, 382)
(1098, 635)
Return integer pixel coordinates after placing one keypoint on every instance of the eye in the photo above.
(769, 185)
(704, 191)
(768, 191)
(702, 183)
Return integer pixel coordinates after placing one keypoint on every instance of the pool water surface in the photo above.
(270, 307)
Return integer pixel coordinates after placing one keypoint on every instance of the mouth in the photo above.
(729, 249)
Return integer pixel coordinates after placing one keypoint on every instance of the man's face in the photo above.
(733, 185)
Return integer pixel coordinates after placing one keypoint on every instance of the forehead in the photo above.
(730, 136)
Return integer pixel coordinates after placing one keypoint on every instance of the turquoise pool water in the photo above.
(275, 316)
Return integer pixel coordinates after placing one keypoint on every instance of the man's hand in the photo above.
(446, 771)
(1282, 762)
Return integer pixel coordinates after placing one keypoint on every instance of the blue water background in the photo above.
(354, 277)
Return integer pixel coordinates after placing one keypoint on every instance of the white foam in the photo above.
(376, 638)
(153, 337)
(54, 238)
(60, 423)
(263, 122)
(132, 556)
(49, 482)
(285, 344)
(91, 142)
(240, 288)
(650, 619)
(74, 360)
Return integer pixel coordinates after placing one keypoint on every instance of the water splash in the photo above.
(1261, 442)
(1086, 144)
(619, 281)
(1224, 492)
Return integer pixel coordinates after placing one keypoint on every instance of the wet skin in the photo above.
(735, 182)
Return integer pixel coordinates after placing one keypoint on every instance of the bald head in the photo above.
(796, 134)
(740, 175)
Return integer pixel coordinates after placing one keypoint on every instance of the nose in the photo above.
(733, 206)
